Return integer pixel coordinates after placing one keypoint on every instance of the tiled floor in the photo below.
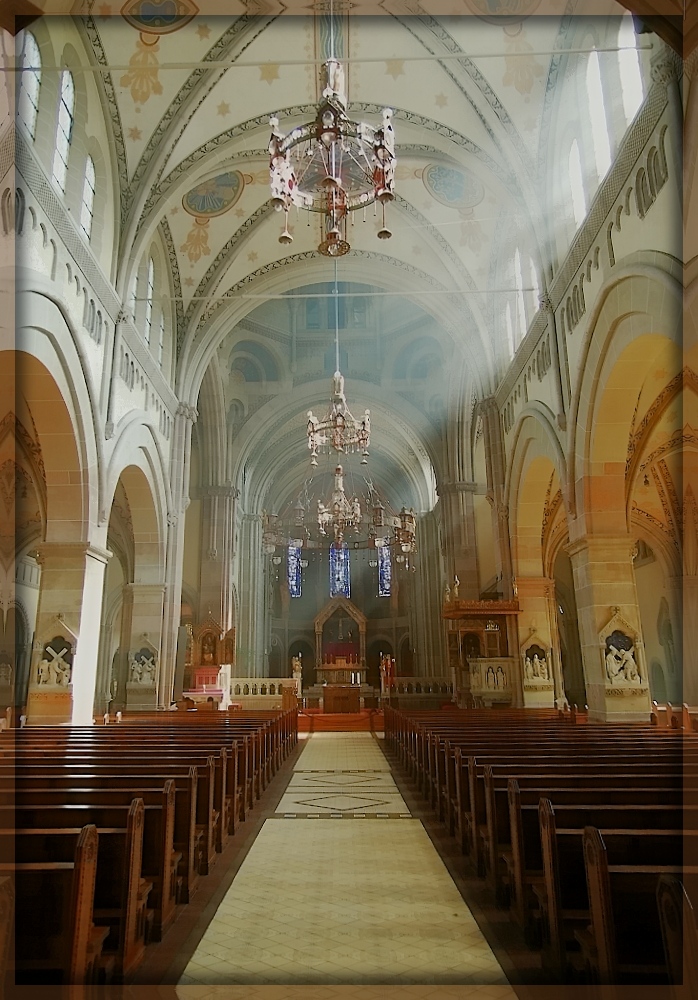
(362, 898)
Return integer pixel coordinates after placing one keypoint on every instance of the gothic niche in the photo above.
(536, 668)
(55, 667)
(621, 667)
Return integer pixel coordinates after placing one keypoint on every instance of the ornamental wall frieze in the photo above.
(176, 281)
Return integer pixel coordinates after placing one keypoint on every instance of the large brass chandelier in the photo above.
(332, 165)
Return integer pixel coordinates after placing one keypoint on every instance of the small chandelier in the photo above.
(332, 165)
(338, 429)
(341, 513)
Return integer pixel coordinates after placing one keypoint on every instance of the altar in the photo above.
(341, 698)
(340, 670)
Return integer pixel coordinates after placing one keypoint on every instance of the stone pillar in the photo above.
(72, 587)
(217, 534)
(536, 596)
(430, 635)
(174, 560)
(604, 579)
(689, 633)
(458, 536)
(495, 460)
(253, 615)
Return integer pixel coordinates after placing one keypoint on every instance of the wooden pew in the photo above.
(120, 891)
(623, 943)
(187, 838)
(677, 920)
(7, 915)
(59, 944)
(159, 862)
(637, 835)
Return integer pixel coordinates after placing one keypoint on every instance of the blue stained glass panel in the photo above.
(385, 570)
(340, 581)
(293, 568)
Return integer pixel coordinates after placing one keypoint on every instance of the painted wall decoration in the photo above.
(214, 196)
(453, 186)
(159, 17)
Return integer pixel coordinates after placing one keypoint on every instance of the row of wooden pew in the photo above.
(107, 830)
(588, 834)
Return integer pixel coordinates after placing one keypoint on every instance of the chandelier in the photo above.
(339, 430)
(371, 520)
(332, 165)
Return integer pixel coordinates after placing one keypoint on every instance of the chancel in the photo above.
(348, 478)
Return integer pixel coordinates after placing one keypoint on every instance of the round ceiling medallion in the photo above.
(214, 196)
(159, 17)
(454, 187)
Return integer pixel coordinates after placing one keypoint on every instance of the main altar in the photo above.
(340, 659)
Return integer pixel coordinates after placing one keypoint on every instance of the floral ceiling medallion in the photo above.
(159, 17)
(215, 196)
(453, 187)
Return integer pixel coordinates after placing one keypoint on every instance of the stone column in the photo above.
(72, 588)
(534, 628)
(253, 616)
(458, 535)
(217, 534)
(495, 459)
(689, 633)
(185, 418)
(604, 579)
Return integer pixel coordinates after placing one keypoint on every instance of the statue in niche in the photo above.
(472, 645)
(490, 678)
(56, 665)
(536, 664)
(142, 668)
(621, 666)
(501, 677)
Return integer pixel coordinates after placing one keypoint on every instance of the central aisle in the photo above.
(342, 885)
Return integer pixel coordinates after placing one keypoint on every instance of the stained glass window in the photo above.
(340, 582)
(385, 570)
(293, 569)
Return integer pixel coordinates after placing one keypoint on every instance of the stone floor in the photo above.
(343, 886)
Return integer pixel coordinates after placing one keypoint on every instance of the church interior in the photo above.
(349, 468)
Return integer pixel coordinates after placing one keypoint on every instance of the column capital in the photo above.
(615, 545)
(188, 412)
(666, 67)
(546, 303)
(226, 491)
(451, 488)
(70, 550)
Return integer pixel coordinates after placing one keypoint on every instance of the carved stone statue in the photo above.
(142, 668)
(621, 666)
(528, 668)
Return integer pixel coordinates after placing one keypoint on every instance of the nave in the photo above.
(315, 900)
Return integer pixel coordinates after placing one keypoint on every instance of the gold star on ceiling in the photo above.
(189, 281)
(223, 109)
(441, 100)
(173, 211)
(269, 72)
(203, 31)
(134, 134)
(395, 68)
(240, 212)
(252, 256)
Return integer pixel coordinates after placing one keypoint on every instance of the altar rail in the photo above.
(261, 692)
(418, 692)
